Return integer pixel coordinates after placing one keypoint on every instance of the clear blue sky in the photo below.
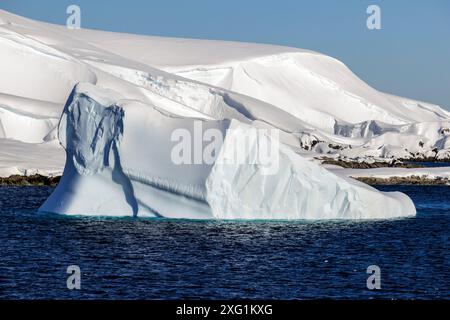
(410, 56)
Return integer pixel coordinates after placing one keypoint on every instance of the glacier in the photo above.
(128, 93)
(322, 109)
(119, 162)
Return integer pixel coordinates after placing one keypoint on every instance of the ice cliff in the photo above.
(120, 161)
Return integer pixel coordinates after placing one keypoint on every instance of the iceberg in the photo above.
(120, 161)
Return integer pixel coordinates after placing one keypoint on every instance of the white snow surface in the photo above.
(320, 107)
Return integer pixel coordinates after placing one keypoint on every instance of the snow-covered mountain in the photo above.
(318, 105)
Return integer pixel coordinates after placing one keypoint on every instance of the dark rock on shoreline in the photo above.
(33, 180)
(368, 165)
(40, 180)
(411, 180)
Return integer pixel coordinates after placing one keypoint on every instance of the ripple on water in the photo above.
(167, 259)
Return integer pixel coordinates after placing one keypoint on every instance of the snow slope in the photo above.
(288, 78)
(20, 158)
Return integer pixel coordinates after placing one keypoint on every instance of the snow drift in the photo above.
(119, 162)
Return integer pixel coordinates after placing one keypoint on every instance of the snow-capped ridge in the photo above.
(301, 92)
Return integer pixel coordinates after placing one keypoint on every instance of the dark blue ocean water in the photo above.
(429, 164)
(167, 259)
